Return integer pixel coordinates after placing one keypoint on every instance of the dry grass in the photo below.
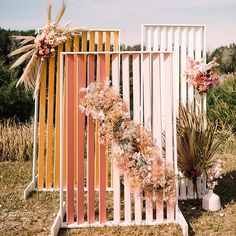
(16, 141)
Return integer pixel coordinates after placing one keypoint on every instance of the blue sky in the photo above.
(128, 15)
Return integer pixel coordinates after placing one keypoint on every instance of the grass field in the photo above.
(35, 215)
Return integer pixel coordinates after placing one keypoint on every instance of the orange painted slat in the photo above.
(67, 49)
(90, 148)
(50, 126)
(81, 140)
(70, 139)
(42, 108)
(102, 166)
(57, 124)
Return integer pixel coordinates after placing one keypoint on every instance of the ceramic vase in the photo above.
(211, 201)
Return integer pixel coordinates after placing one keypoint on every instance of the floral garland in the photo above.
(37, 49)
(202, 75)
(134, 151)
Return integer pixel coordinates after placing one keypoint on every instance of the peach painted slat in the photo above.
(42, 108)
(70, 139)
(50, 117)
(81, 140)
(90, 148)
(57, 124)
(136, 109)
(102, 166)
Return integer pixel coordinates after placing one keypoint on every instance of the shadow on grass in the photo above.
(192, 209)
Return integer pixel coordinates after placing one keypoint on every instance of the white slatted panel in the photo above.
(186, 41)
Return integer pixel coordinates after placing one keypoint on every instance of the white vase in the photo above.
(211, 201)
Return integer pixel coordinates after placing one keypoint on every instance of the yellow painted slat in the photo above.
(92, 41)
(42, 108)
(50, 116)
(75, 49)
(116, 41)
(57, 124)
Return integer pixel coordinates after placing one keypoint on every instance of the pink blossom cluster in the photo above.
(48, 38)
(202, 75)
(214, 173)
(134, 151)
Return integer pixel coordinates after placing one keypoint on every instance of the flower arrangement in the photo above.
(198, 141)
(214, 173)
(202, 75)
(134, 151)
(37, 49)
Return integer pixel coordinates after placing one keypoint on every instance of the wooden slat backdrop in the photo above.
(152, 67)
(186, 41)
(49, 110)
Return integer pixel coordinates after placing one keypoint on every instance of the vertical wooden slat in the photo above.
(116, 41)
(156, 34)
(100, 45)
(183, 64)
(116, 172)
(90, 148)
(42, 108)
(149, 39)
(147, 118)
(57, 124)
(75, 49)
(50, 116)
(177, 76)
(190, 55)
(157, 124)
(126, 98)
(163, 37)
(70, 139)
(102, 166)
(169, 38)
(67, 49)
(169, 124)
(81, 140)
(107, 62)
(92, 41)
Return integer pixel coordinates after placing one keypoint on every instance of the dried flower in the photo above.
(214, 173)
(201, 75)
(135, 152)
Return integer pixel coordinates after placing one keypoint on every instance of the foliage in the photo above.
(226, 57)
(221, 102)
(16, 103)
(16, 141)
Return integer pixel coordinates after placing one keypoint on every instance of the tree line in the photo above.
(18, 104)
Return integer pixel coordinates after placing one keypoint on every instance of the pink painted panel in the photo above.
(70, 139)
(90, 148)
(102, 171)
(81, 140)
